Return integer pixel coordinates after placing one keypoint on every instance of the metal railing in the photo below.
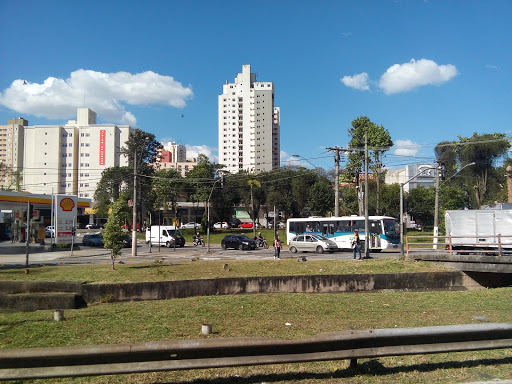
(37, 363)
(452, 244)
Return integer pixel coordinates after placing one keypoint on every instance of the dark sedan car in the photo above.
(238, 242)
(127, 242)
(95, 239)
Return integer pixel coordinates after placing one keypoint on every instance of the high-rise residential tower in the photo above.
(248, 125)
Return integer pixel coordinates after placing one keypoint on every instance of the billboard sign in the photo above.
(65, 217)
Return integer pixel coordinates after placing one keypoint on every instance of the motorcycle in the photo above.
(198, 241)
(261, 243)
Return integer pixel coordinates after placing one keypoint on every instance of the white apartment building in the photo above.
(249, 125)
(70, 158)
(11, 152)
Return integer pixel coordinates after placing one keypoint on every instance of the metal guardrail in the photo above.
(37, 363)
(448, 245)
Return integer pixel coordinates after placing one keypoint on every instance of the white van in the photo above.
(164, 235)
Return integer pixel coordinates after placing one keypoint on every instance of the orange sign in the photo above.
(102, 146)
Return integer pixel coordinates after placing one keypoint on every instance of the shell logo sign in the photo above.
(67, 204)
(65, 217)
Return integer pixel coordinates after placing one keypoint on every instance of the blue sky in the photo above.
(427, 71)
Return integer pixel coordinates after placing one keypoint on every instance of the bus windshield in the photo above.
(391, 229)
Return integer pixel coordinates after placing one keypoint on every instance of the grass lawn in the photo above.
(212, 269)
(267, 315)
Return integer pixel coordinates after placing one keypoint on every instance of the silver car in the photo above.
(312, 243)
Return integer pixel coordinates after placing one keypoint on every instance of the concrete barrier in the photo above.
(30, 296)
(163, 290)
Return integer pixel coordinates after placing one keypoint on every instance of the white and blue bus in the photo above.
(384, 231)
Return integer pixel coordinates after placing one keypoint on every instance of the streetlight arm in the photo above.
(456, 173)
(303, 158)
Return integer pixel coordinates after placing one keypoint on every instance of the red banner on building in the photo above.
(102, 146)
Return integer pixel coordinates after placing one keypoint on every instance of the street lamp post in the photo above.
(208, 217)
(402, 208)
(436, 212)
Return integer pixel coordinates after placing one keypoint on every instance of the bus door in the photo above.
(375, 232)
(328, 229)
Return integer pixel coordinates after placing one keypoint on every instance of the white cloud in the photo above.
(105, 93)
(407, 76)
(195, 150)
(406, 148)
(292, 161)
(359, 81)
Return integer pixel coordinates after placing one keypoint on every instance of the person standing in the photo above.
(277, 248)
(356, 244)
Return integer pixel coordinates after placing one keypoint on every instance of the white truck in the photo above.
(164, 235)
(480, 230)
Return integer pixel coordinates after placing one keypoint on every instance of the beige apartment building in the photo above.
(11, 152)
(68, 158)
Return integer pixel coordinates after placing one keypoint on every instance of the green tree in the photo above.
(379, 141)
(167, 184)
(321, 198)
(420, 204)
(114, 181)
(483, 150)
(113, 234)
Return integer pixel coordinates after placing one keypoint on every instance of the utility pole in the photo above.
(366, 224)
(509, 183)
(134, 214)
(337, 180)
(436, 207)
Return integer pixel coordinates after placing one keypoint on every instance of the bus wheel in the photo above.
(293, 250)
(319, 249)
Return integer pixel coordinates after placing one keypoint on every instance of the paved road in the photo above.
(14, 254)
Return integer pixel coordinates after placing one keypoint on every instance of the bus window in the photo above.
(296, 227)
(357, 225)
(315, 226)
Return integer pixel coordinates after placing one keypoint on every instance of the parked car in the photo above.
(235, 223)
(238, 242)
(49, 231)
(190, 225)
(93, 239)
(245, 225)
(127, 242)
(93, 226)
(312, 243)
(222, 225)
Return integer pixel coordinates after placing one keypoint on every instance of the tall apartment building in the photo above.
(249, 125)
(69, 158)
(174, 156)
(11, 152)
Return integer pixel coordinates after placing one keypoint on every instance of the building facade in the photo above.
(11, 152)
(249, 125)
(70, 158)
(425, 176)
(174, 156)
